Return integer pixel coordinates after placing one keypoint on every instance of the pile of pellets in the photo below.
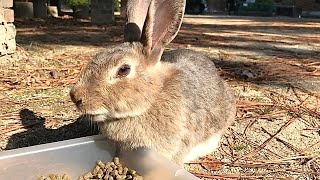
(102, 171)
(55, 177)
(111, 171)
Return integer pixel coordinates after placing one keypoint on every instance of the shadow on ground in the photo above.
(37, 133)
(262, 74)
(269, 42)
(67, 32)
(72, 32)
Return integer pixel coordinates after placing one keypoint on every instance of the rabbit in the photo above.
(144, 97)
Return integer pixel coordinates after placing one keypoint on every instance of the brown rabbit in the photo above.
(173, 102)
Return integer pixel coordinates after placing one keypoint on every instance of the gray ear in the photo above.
(155, 23)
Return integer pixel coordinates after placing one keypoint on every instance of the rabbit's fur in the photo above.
(178, 106)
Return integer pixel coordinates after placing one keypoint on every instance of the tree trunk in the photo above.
(23, 9)
(59, 8)
(40, 8)
(216, 6)
(81, 12)
(102, 11)
(123, 8)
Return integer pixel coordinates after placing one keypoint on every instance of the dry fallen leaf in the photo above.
(212, 164)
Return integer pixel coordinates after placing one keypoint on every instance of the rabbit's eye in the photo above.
(123, 71)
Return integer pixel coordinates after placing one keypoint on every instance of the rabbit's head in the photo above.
(124, 80)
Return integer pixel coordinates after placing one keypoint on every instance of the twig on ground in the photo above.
(227, 176)
(250, 154)
(283, 141)
(249, 126)
(253, 144)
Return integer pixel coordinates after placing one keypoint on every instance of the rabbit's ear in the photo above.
(163, 22)
(136, 13)
(159, 20)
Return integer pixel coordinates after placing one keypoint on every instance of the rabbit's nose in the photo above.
(76, 97)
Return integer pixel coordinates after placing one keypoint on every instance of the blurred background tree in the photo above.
(79, 2)
(117, 5)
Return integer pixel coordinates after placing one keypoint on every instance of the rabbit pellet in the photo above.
(55, 177)
(103, 171)
(111, 171)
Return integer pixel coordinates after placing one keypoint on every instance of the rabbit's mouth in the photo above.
(98, 115)
(104, 115)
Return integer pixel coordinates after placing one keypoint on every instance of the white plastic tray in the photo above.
(78, 156)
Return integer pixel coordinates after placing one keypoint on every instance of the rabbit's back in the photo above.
(208, 99)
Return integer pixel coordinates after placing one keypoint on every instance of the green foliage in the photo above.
(79, 2)
(117, 5)
(87, 3)
(240, 147)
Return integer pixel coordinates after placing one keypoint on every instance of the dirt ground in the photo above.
(273, 64)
